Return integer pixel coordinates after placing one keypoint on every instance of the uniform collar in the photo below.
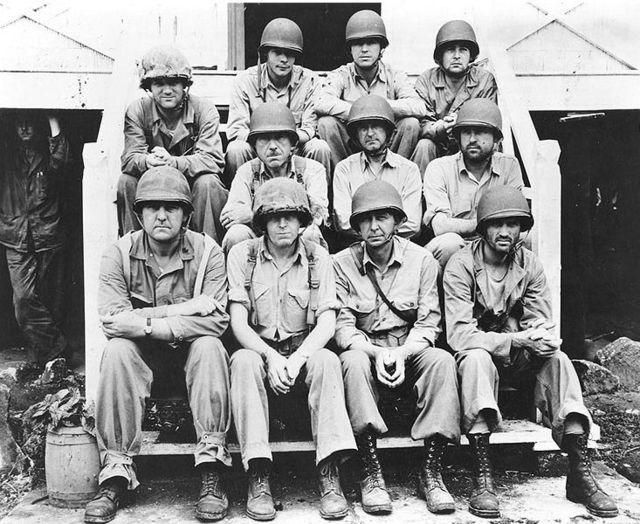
(263, 251)
(380, 75)
(494, 167)
(397, 254)
(140, 247)
(390, 159)
(471, 77)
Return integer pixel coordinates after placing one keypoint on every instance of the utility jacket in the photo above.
(151, 292)
(472, 320)
(344, 86)
(31, 193)
(195, 141)
(250, 91)
(441, 101)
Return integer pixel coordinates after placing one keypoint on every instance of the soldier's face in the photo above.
(274, 149)
(282, 229)
(502, 234)
(477, 143)
(366, 53)
(372, 136)
(455, 59)
(162, 221)
(168, 93)
(377, 228)
(25, 130)
(280, 62)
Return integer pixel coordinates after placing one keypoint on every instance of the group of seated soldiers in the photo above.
(347, 165)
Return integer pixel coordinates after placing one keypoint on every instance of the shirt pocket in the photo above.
(296, 306)
(408, 305)
(461, 207)
(262, 313)
(365, 312)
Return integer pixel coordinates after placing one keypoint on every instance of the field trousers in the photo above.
(325, 398)
(556, 392)
(126, 377)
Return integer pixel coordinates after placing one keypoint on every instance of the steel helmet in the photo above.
(456, 31)
(503, 202)
(376, 195)
(282, 33)
(280, 195)
(272, 117)
(479, 112)
(163, 184)
(163, 62)
(366, 24)
(370, 107)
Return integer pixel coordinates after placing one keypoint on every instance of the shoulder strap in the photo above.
(314, 281)
(299, 165)
(208, 247)
(252, 255)
(124, 245)
(357, 252)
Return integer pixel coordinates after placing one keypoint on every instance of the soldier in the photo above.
(173, 128)
(371, 125)
(283, 312)
(272, 133)
(447, 86)
(387, 327)
(498, 311)
(33, 163)
(162, 300)
(366, 39)
(276, 78)
(454, 184)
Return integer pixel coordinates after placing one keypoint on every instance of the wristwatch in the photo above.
(148, 329)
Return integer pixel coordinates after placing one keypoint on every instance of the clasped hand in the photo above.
(282, 372)
(539, 339)
(159, 156)
(390, 366)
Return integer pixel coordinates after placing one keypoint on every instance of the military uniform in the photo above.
(196, 146)
(409, 281)
(127, 366)
(282, 309)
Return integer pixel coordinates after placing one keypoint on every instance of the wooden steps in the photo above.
(512, 432)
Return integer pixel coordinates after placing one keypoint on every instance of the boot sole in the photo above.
(382, 509)
(261, 516)
(211, 517)
(334, 516)
(597, 512)
(99, 520)
(485, 514)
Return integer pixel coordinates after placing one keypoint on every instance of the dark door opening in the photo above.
(322, 27)
(600, 163)
(80, 126)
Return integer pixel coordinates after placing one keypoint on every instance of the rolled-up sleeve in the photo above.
(328, 100)
(346, 331)
(462, 328)
(327, 299)
(407, 103)
(207, 154)
(240, 191)
(214, 285)
(236, 267)
(113, 294)
(436, 194)
(134, 155)
(342, 196)
(427, 326)
(309, 122)
(316, 186)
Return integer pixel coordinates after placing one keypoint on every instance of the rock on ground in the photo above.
(622, 358)
(595, 378)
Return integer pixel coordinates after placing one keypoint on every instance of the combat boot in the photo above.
(581, 485)
(333, 505)
(213, 503)
(431, 484)
(105, 504)
(483, 501)
(259, 500)
(375, 497)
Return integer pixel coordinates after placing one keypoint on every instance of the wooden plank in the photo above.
(511, 432)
